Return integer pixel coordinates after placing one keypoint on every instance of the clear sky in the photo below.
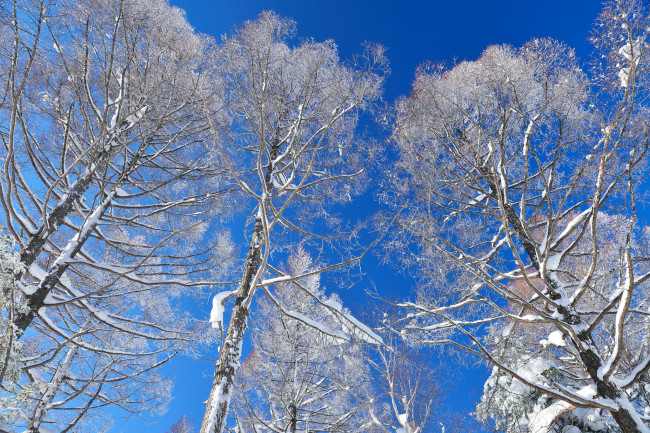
(414, 32)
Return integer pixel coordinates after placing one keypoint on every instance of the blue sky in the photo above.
(414, 32)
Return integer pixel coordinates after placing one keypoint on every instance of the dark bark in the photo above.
(217, 407)
(294, 418)
(590, 359)
(63, 208)
(34, 247)
(37, 299)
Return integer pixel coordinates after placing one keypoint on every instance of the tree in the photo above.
(520, 176)
(10, 300)
(184, 425)
(304, 372)
(408, 382)
(103, 192)
(287, 136)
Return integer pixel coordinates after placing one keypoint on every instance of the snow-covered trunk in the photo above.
(45, 402)
(36, 300)
(63, 208)
(229, 355)
(55, 218)
(218, 403)
(626, 417)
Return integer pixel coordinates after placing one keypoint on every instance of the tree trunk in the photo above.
(294, 418)
(36, 300)
(628, 421)
(218, 403)
(60, 212)
(52, 388)
(63, 208)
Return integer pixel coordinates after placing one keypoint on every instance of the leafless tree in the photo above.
(287, 136)
(103, 191)
(520, 179)
(407, 379)
(304, 372)
(184, 425)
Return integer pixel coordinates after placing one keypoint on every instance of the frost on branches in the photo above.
(287, 136)
(102, 128)
(11, 302)
(519, 179)
(304, 373)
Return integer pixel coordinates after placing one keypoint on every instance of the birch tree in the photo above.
(287, 136)
(521, 175)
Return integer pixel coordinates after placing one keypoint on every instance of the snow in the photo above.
(222, 396)
(358, 328)
(553, 262)
(102, 315)
(25, 223)
(275, 280)
(132, 119)
(220, 400)
(65, 280)
(542, 421)
(555, 338)
(89, 225)
(529, 130)
(337, 335)
(625, 404)
(632, 53)
(590, 419)
(572, 225)
(216, 315)
(479, 198)
(37, 272)
(588, 391)
(624, 76)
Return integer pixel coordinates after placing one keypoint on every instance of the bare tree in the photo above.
(184, 425)
(104, 156)
(287, 135)
(520, 176)
(304, 372)
(409, 382)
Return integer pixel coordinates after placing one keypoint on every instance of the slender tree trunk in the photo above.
(36, 300)
(63, 208)
(53, 386)
(218, 403)
(294, 418)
